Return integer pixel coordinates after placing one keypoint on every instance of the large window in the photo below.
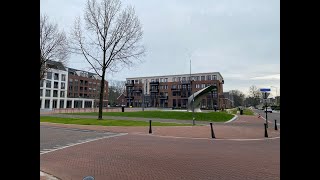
(203, 78)
(56, 76)
(55, 84)
(197, 78)
(62, 93)
(197, 85)
(69, 104)
(63, 77)
(208, 77)
(203, 85)
(48, 84)
(54, 104)
(49, 75)
(173, 79)
(48, 93)
(179, 79)
(61, 105)
(41, 92)
(55, 93)
(184, 79)
(47, 103)
(41, 83)
(63, 85)
(165, 79)
(214, 77)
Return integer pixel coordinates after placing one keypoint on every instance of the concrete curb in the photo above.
(233, 119)
(47, 176)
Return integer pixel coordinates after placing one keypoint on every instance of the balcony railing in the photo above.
(163, 97)
(129, 84)
(154, 90)
(154, 83)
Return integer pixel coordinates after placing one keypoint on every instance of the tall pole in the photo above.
(193, 121)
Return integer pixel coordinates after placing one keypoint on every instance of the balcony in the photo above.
(163, 97)
(154, 83)
(185, 82)
(175, 89)
(154, 90)
(137, 90)
(129, 84)
(129, 97)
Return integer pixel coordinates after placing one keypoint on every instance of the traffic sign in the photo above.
(265, 89)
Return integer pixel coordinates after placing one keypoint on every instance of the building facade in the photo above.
(172, 91)
(64, 87)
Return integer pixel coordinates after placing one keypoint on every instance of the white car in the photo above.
(269, 110)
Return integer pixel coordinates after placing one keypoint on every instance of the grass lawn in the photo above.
(210, 116)
(245, 111)
(104, 122)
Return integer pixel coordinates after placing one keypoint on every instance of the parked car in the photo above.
(269, 110)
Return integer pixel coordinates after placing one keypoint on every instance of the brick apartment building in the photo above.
(64, 87)
(172, 91)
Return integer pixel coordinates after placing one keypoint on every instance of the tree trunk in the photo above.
(101, 95)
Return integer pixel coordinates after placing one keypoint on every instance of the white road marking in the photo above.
(90, 140)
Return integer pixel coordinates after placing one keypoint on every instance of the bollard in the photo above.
(212, 133)
(150, 128)
(275, 125)
(265, 130)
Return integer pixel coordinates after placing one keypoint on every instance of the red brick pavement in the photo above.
(147, 157)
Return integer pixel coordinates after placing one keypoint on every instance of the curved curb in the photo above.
(48, 176)
(259, 139)
(233, 119)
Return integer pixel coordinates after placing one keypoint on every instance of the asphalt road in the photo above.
(57, 137)
(271, 116)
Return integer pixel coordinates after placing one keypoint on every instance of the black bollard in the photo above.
(150, 128)
(212, 133)
(275, 125)
(265, 130)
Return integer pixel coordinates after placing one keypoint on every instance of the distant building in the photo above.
(172, 91)
(228, 100)
(64, 87)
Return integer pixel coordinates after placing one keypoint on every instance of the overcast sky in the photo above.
(239, 39)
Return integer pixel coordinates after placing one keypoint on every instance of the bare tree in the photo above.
(110, 40)
(254, 92)
(53, 44)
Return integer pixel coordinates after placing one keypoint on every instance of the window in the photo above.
(49, 75)
(208, 77)
(55, 84)
(197, 78)
(197, 85)
(179, 86)
(62, 86)
(184, 79)
(41, 83)
(63, 77)
(56, 76)
(173, 79)
(179, 79)
(55, 93)
(47, 103)
(41, 92)
(157, 80)
(40, 103)
(62, 93)
(48, 93)
(165, 79)
(136, 81)
(166, 87)
(152, 80)
(161, 80)
(214, 77)
(203, 85)
(69, 104)
(61, 105)
(140, 81)
(174, 86)
(54, 104)
(203, 78)
(48, 84)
